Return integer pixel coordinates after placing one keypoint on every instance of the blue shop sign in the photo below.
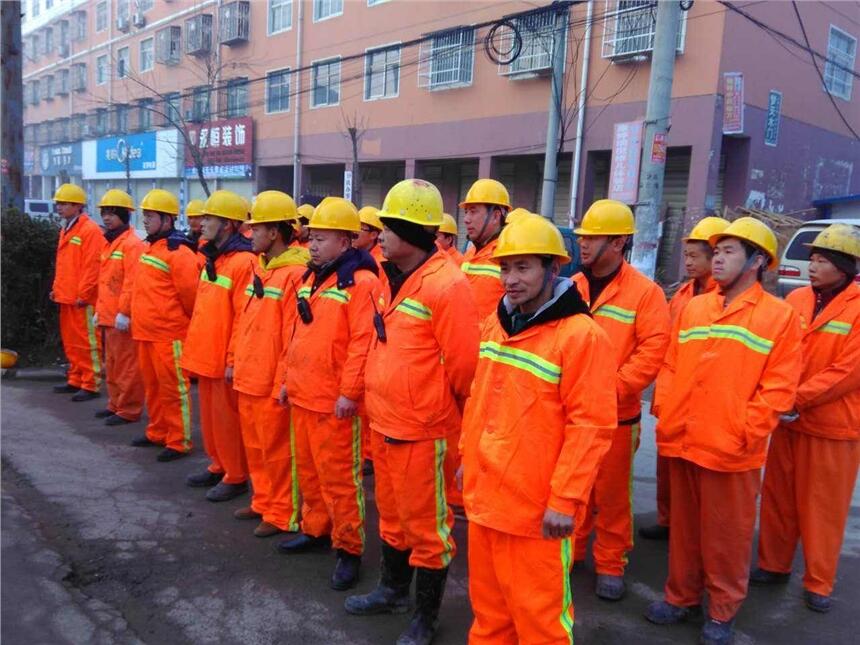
(771, 123)
(136, 150)
(55, 159)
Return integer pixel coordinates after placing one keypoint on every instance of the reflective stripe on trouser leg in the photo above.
(95, 364)
(184, 397)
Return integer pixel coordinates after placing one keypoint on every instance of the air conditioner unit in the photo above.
(139, 19)
(122, 23)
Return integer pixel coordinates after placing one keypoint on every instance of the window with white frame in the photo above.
(144, 115)
(446, 59)
(278, 91)
(79, 31)
(280, 15)
(145, 5)
(237, 98)
(841, 54)
(325, 77)
(170, 109)
(102, 70)
(121, 118)
(629, 27)
(35, 8)
(34, 47)
(101, 120)
(327, 9)
(200, 103)
(49, 40)
(537, 33)
(382, 73)
(101, 16)
(123, 62)
(147, 54)
(63, 81)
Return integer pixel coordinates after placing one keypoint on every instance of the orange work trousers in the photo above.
(519, 588)
(124, 382)
(808, 482)
(219, 425)
(610, 508)
(166, 390)
(454, 494)
(329, 460)
(268, 439)
(82, 346)
(710, 544)
(410, 480)
(366, 452)
(663, 490)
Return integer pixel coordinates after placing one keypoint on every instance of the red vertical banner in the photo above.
(733, 103)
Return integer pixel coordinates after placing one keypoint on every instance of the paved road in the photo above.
(101, 544)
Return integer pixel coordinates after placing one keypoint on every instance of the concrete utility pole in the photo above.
(12, 124)
(550, 165)
(653, 168)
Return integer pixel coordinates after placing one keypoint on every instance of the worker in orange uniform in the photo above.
(815, 452)
(162, 300)
(368, 238)
(697, 264)
(209, 346)
(75, 289)
(419, 372)
(633, 311)
(732, 370)
(305, 211)
(446, 238)
(265, 325)
(325, 364)
(119, 262)
(484, 210)
(539, 420)
(194, 214)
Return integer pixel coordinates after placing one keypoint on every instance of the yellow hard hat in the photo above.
(117, 198)
(487, 191)
(706, 227)
(518, 214)
(753, 231)
(71, 194)
(8, 358)
(161, 201)
(336, 214)
(449, 225)
(194, 208)
(369, 215)
(607, 217)
(305, 210)
(226, 204)
(842, 238)
(273, 206)
(413, 200)
(531, 236)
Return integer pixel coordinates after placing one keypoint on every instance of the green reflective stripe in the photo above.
(249, 290)
(305, 292)
(836, 327)
(356, 473)
(491, 270)
(184, 399)
(442, 528)
(294, 483)
(221, 280)
(273, 292)
(155, 262)
(566, 617)
(414, 308)
(75, 240)
(335, 294)
(616, 313)
(521, 359)
(117, 255)
(729, 332)
(94, 347)
(634, 444)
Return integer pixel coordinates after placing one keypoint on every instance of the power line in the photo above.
(820, 75)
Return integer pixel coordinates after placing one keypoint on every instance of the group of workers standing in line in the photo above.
(323, 337)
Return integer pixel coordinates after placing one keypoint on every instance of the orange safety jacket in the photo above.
(119, 262)
(418, 380)
(685, 293)
(265, 324)
(632, 309)
(326, 358)
(376, 254)
(163, 293)
(539, 419)
(455, 255)
(484, 276)
(729, 373)
(208, 348)
(76, 273)
(828, 398)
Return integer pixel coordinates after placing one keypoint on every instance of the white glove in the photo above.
(95, 320)
(789, 417)
(122, 322)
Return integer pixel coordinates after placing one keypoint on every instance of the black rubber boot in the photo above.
(205, 479)
(84, 395)
(103, 414)
(391, 595)
(65, 389)
(654, 532)
(346, 569)
(429, 588)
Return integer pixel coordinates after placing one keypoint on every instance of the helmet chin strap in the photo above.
(547, 276)
(746, 267)
(490, 209)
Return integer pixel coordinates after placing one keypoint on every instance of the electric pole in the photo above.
(12, 163)
(550, 165)
(653, 167)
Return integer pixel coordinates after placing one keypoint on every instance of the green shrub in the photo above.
(29, 319)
